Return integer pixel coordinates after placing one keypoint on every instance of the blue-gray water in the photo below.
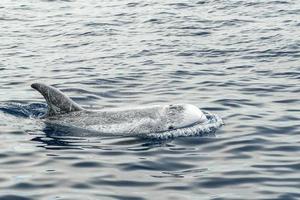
(237, 59)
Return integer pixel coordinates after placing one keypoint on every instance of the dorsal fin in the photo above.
(58, 103)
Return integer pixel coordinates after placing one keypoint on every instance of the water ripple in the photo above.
(238, 59)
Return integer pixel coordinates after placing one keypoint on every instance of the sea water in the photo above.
(236, 59)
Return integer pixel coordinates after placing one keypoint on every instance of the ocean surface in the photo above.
(237, 59)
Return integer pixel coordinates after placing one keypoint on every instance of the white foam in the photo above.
(212, 123)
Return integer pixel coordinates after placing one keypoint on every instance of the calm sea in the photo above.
(237, 59)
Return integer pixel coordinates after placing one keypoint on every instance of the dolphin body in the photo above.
(161, 121)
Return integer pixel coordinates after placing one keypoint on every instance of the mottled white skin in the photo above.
(130, 122)
(138, 121)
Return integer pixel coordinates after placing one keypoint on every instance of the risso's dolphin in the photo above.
(159, 121)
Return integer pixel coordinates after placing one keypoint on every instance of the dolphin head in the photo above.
(183, 115)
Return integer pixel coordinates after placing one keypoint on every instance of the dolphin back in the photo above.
(58, 103)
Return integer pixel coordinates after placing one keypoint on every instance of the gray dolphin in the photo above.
(153, 121)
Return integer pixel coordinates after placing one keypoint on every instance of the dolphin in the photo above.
(163, 121)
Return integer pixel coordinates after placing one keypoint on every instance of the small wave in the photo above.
(33, 110)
